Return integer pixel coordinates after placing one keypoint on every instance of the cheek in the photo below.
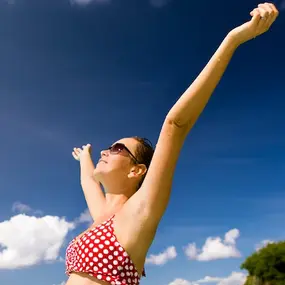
(118, 163)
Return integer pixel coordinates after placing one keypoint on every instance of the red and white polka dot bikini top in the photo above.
(98, 253)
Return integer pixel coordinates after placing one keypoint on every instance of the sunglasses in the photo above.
(119, 147)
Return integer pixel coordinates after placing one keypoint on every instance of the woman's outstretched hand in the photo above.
(78, 152)
(262, 19)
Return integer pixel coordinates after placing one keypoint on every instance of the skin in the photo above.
(138, 213)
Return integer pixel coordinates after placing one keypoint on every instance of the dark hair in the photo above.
(144, 153)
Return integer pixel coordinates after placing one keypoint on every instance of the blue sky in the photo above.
(76, 73)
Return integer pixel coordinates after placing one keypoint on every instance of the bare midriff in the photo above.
(84, 279)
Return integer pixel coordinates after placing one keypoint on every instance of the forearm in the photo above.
(92, 191)
(86, 167)
(190, 105)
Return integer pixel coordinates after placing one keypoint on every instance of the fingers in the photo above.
(87, 146)
(267, 15)
(264, 10)
(255, 17)
(77, 150)
(75, 156)
(275, 11)
(264, 16)
(76, 153)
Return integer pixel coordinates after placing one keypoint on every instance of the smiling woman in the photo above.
(137, 180)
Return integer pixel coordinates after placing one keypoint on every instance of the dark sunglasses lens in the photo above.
(117, 148)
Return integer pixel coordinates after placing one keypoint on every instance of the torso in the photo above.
(133, 234)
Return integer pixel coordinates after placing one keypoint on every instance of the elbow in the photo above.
(177, 127)
(178, 122)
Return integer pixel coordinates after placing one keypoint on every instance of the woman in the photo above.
(137, 182)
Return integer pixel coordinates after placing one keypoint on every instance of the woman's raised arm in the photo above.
(155, 190)
(93, 194)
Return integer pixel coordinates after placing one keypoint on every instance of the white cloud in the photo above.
(214, 248)
(231, 236)
(84, 217)
(209, 279)
(62, 283)
(191, 251)
(263, 244)
(163, 257)
(28, 240)
(21, 208)
(236, 278)
(180, 282)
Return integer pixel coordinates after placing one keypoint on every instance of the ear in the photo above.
(137, 170)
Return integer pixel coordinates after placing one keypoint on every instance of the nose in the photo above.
(104, 152)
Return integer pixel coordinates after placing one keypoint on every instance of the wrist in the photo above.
(233, 40)
(85, 155)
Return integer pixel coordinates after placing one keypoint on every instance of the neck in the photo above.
(117, 196)
(114, 202)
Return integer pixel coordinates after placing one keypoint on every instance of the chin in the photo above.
(99, 174)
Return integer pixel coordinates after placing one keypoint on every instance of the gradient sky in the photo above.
(75, 73)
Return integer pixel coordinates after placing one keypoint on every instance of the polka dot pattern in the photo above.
(98, 253)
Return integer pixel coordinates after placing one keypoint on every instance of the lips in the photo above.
(101, 160)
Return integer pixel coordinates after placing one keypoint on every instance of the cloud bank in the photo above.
(28, 240)
(215, 248)
(236, 278)
(163, 257)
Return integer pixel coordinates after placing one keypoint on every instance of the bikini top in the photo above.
(98, 253)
